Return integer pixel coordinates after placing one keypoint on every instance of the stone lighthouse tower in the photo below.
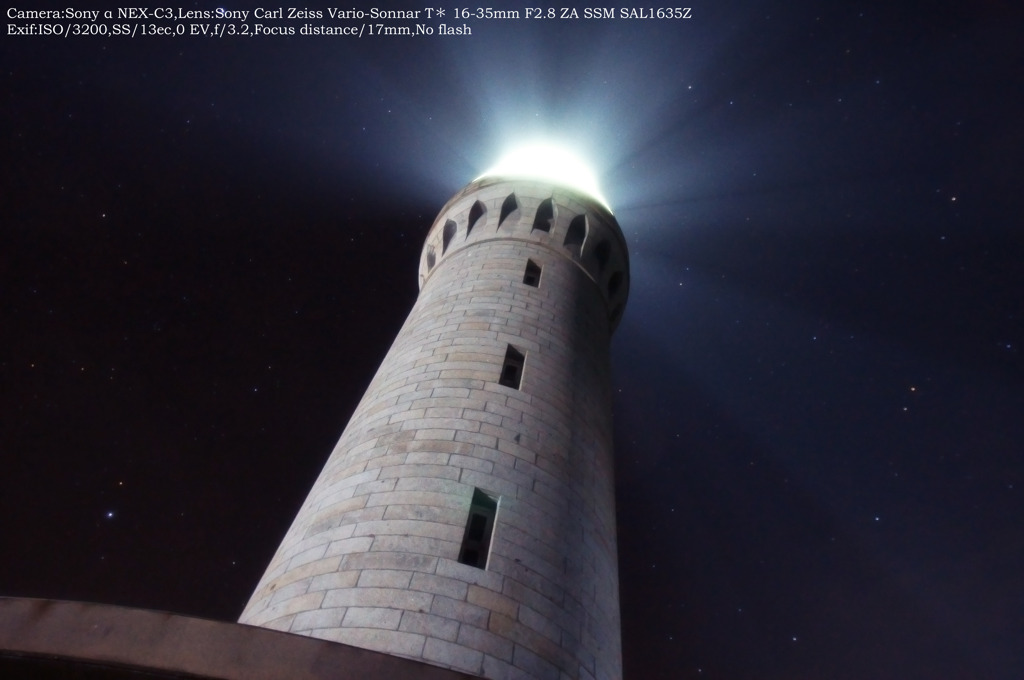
(466, 517)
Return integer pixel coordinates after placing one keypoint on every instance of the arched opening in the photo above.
(614, 283)
(448, 235)
(545, 215)
(507, 208)
(577, 234)
(475, 213)
(601, 254)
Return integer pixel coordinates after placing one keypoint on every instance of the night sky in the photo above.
(208, 244)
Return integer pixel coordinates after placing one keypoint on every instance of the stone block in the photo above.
(391, 598)
(450, 568)
(411, 527)
(460, 611)
(333, 580)
(305, 572)
(387, 460)
(448, 487)
(394, 560)
(428, 458)
(479, 438)
(440, 585)
(494, 601)
(372, 617)
(501, 670)
(453, 655)
(415, 544)
(288, 607)
(430, 625)
(532, 580)
(486, 642)
(459, 393)
(434, 433)
(489, 482)
(289, 591)
(535, 665)
(401, 415)
(317, 618)
(422, 498)
(282, 624)
(384, 578)
(338, 507)
(338, 482)
(375, 486)
(471, 463)
(535, 621)
(455, 517)
(419, 471)
(356, 544)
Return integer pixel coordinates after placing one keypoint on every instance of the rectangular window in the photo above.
(476, 542)
(532, 275)
(512, 369)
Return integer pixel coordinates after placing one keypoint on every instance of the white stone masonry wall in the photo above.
(372, 557)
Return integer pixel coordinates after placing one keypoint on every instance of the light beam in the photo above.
(550, 162)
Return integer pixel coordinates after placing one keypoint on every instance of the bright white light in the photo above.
(548, 162)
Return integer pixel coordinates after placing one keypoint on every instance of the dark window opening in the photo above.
(448, 235)
(614, 284)
(512, 369)
(476, 541)
(601, 252)
(431, 259)
(507, 208)
(532, 275)
(545, 215)
(475, 213)
(577, 232)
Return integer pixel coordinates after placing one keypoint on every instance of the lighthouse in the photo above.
(466, 517)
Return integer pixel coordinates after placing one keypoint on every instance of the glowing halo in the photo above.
(548, 162)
